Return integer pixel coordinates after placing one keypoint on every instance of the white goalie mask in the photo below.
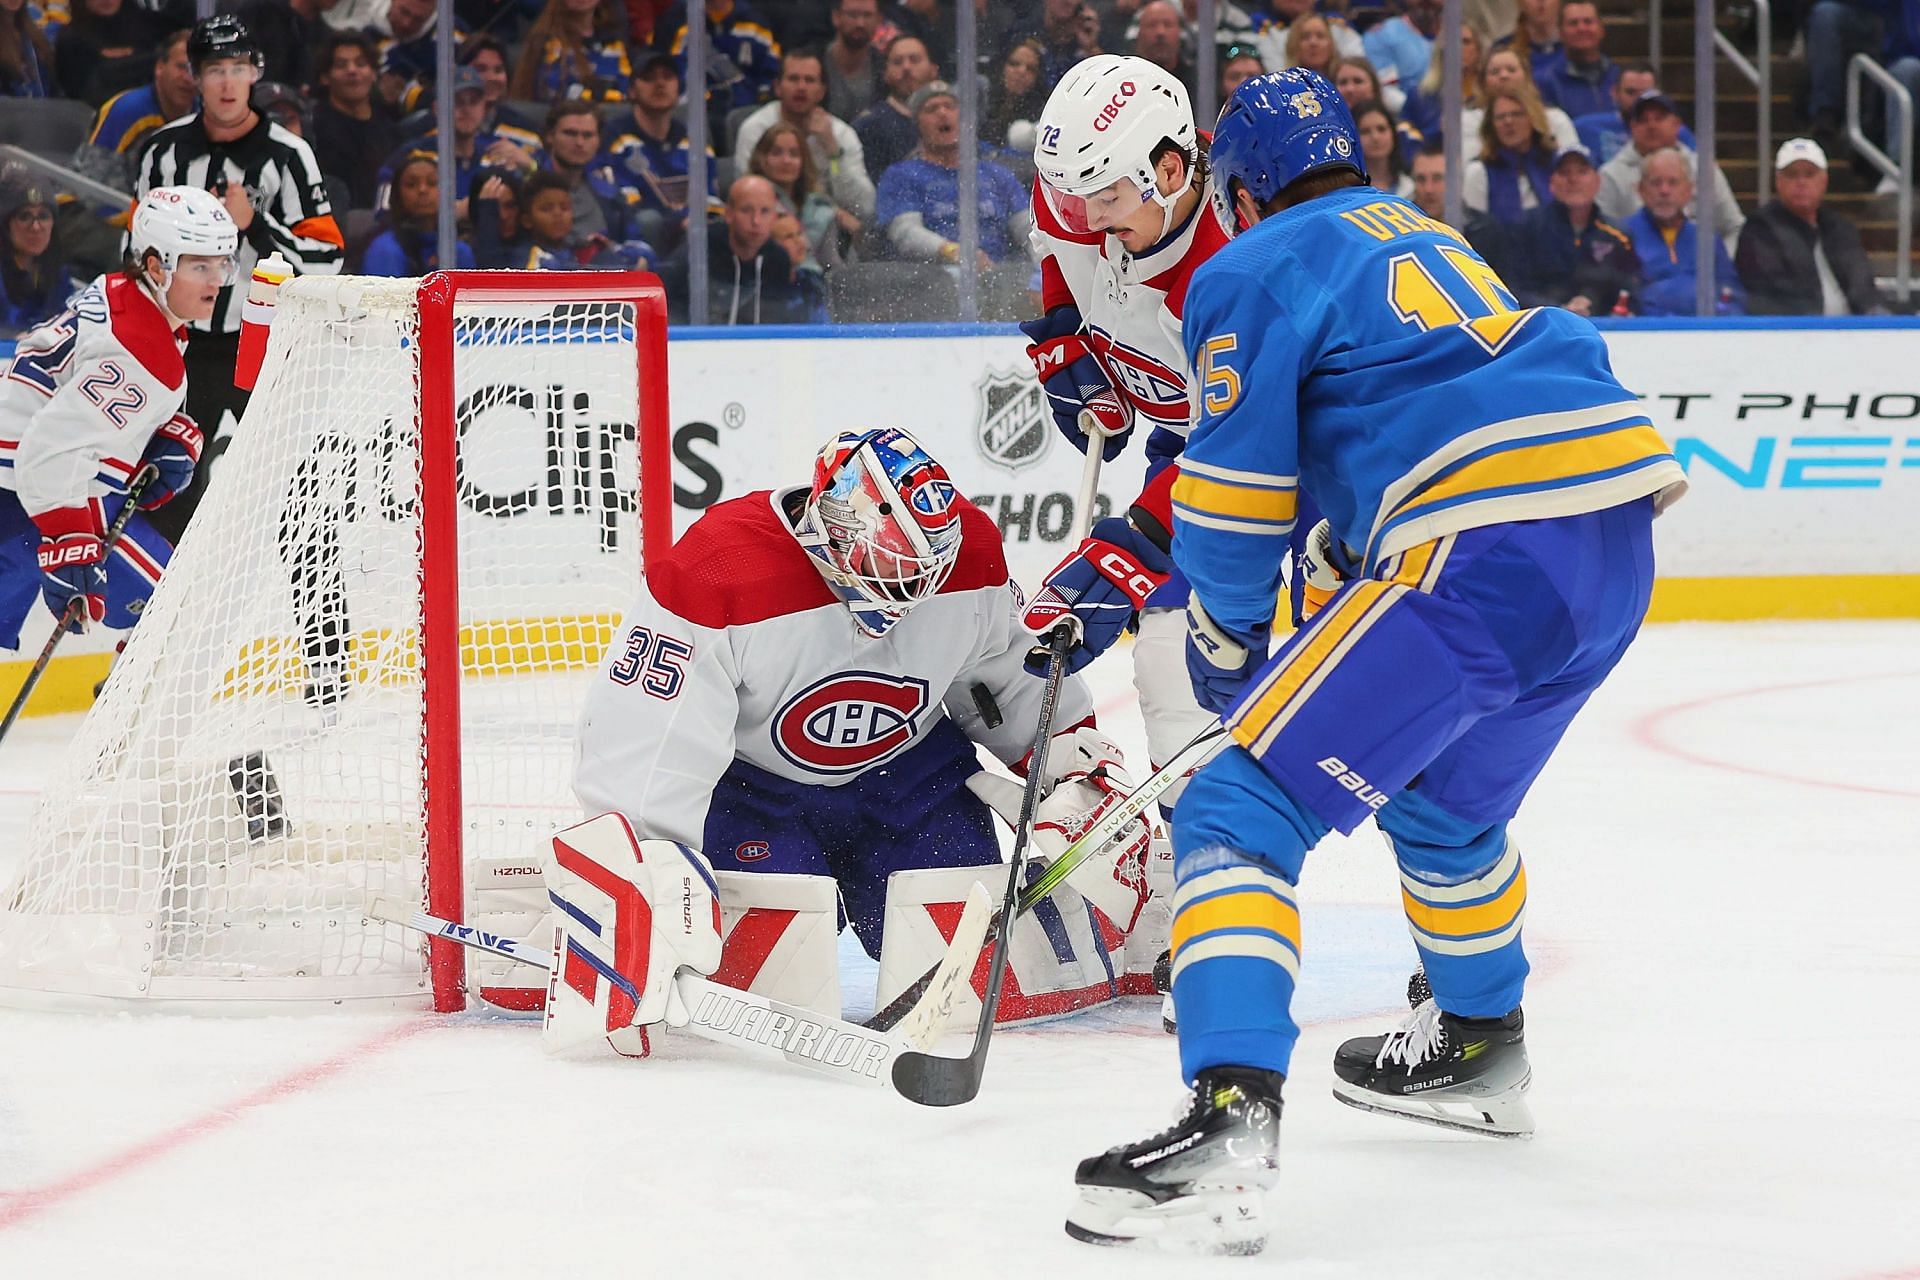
(174, 222)
(1096, 139)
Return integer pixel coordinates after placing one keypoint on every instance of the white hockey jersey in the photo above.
(1132, 306)
(737, 650)
(84, 394)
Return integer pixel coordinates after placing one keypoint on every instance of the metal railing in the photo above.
(72, 180)
(1900, 104)
(1760, 74)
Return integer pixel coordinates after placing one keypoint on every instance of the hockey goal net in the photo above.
(360, 675)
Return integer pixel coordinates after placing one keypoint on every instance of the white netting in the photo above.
(251, 777)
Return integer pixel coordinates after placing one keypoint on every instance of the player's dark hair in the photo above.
(545, 180)
(346, 40)
(1196, 159)
(807, 54)
(570, 107)
(1312, 186)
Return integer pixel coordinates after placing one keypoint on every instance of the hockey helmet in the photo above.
(174, 221)
(881, 523)
(222, 36)
(1280, 127)
(1097, 136)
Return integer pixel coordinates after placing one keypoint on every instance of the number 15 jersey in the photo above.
(1358, 349)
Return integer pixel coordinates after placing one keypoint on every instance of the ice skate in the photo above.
(1197, 1187)
(1469, 1074)
(1163, 983)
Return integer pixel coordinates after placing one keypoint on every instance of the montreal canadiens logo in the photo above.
(850, 721)
(1156, 390)
(752, 851)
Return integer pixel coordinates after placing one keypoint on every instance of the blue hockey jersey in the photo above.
(1359, 350)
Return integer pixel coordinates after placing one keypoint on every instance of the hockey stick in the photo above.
(935, 1081)
(766, 1028)
(135, 491)
(1092, 843)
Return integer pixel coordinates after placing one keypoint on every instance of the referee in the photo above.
(272, 187)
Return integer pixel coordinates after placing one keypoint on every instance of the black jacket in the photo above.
(1775, 261)
(756, 290)
(1552, 265)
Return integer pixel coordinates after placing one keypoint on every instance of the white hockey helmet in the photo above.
(175, 221)
(1100, 127)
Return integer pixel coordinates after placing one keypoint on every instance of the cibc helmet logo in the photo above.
(1111, 111)
(1014, 428)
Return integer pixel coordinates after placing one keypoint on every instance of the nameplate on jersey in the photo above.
(850, 721)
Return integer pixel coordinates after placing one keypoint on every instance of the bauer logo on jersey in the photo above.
(850, 721)
(1015, 427)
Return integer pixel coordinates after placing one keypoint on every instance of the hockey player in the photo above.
(1124, 212)
(93, 395)
(803, 680)
(1490, 491)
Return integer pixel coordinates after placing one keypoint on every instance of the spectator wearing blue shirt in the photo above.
(886, 128)
(650, 146)
(471, 148)
(743, 57)
(919, 198)
(34, 282)
(575, 51)
(410, 244)
(1605, 132)
(1665, 240)
(1580, 81)
(1400, 47)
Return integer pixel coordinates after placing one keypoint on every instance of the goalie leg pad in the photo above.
(629, 914)
(781, 938)
(1060, 958)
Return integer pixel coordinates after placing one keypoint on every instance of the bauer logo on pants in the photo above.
(850, 722)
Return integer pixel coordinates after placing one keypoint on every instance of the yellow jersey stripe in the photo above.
(1234, 499)
(1247, 909)
(1458, 922)
(1542, 464)
(1332, 632)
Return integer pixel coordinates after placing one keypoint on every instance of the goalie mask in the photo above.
(880, 523)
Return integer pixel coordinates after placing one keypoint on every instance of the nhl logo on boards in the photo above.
(1014, 428)
(850, 721)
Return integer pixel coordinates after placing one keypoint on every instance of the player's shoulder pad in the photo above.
(983, 557)
(738, 564)
(139, 326)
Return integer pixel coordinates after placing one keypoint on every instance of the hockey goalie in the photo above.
(795, 701)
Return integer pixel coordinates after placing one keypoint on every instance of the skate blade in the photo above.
(1166, 1015)
(1507, 1116)
(1221, 1222)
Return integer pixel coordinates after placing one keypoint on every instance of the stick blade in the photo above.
(938, 1082)
(928, 1020)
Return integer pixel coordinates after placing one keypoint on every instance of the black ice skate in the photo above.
(1163, 983)
(1469, 1074)
(1197, 1187)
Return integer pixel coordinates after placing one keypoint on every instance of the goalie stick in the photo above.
(135, 491)
(766, 1028)
(1090, 845)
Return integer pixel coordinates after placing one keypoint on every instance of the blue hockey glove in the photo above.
(1074, 381)
(72, 564)
(1218, 662)
(174, 452)
(1101, 585)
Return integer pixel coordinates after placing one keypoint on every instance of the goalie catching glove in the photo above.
(1088, 776)
(629, 914)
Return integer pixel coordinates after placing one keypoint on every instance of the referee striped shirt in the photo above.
(291, 212)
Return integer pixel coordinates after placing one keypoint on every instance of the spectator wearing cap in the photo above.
(604, 202)
(1665, 240)
(26, 58)
(34, 281)
(750, 278)
(353, 132)
(1654, 125)
(292, 34)
(1605, 132)
(488, 58)
(1512, 173)
(1238, 64)
(410, 245)
(1799, 258)
(838, 154)
(470, 145)
(284, 105)
(1565, 253)
(853, 63)
(1401, 47)
(743, 57)
(652, 148)
(125, 121)
(575, 50)
(1580, 79)
(107, 47)
(886, 129)
(919, 203)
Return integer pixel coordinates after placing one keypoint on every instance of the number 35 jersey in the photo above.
(737, 651)
(1356, 348)
(84, 394)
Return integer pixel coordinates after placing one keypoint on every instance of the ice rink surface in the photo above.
(1725, 872)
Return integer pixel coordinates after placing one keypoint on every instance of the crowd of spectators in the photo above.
(836, 137)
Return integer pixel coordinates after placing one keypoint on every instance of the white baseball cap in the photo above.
(1800, 149)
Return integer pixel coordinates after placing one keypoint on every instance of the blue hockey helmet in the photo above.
(1280, 127)
(882, 524)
